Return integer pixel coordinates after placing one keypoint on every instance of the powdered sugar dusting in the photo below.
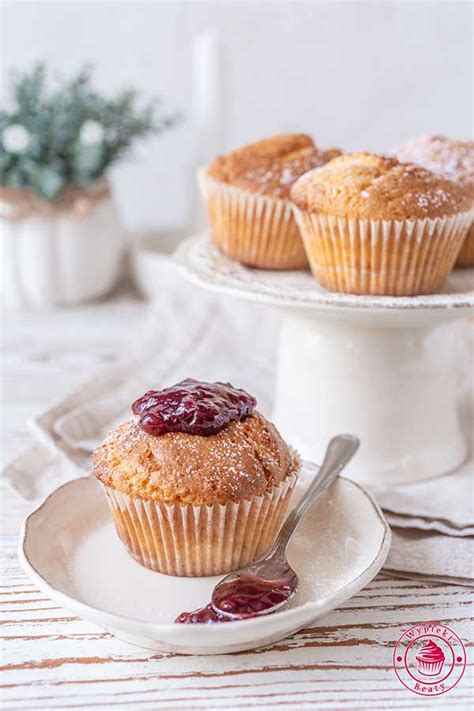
(287, 177)
(433, 198)
(245, 459)
(450, 159)
(277, 177)
(376, 186)
(270, 166)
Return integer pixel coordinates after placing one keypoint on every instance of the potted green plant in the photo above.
(61, 237)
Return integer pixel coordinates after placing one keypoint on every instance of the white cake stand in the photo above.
(383, 368)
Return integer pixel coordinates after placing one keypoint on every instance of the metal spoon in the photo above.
(268, 583)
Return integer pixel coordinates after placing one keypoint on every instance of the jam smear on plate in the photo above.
(192, 407)
(241, 599)
(207, 614)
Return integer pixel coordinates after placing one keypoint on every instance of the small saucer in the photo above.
(69, 548)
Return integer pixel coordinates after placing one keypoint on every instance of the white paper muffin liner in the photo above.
(190, 540)
(386, 257)
(256, 230)
(429, 668)
(466, 255)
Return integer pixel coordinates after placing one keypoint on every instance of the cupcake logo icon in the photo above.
(429, 659)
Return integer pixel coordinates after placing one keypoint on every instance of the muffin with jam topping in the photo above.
(246, 194)
(197, 480)
(450, 159)
(373, 225)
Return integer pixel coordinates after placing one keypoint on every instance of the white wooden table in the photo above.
(54, 660)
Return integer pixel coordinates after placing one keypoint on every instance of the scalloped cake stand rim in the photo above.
(201, 262)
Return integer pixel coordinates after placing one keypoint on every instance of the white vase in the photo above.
(62, 258)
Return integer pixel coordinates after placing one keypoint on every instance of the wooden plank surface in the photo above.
(52, 659)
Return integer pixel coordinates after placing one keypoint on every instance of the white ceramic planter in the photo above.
(61, 258)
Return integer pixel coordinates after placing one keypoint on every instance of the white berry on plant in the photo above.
(15, 138)
(91, 133)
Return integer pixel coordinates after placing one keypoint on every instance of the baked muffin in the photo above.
(246, 195)
(197, 480)
(453, 160)
(372, 225)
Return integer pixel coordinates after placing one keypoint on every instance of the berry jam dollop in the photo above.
(247, 597)
(193, 407)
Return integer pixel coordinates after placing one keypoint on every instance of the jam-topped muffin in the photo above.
(450, 159)
(198, 480)
(372, 225)
(246, 194)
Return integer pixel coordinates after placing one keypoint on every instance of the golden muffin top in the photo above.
(371, 186)
(246, 458)
(441, 155)
(270, 166)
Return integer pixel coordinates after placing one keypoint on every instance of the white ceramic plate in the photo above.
(70, 550)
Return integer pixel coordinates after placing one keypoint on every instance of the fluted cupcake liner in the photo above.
(387, 257)
(430, 668)
(256, 230)
(190, 540)
(466, 255)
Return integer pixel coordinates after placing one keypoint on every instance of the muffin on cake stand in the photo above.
(381, 367)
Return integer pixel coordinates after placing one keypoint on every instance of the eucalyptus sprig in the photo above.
(67, 134)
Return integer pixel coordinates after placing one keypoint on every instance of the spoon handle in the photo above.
(338, 453)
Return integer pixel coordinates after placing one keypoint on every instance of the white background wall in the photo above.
(359, 75)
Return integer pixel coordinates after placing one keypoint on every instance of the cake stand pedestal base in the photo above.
(394, 387)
